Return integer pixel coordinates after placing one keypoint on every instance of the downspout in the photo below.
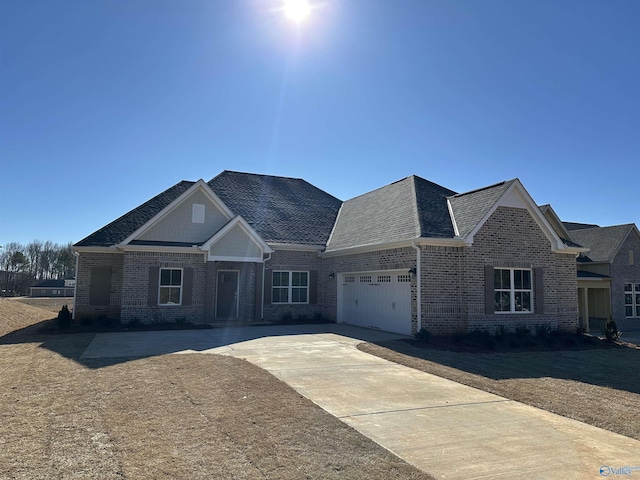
(75, 287)
(418, 285)
(263, 277)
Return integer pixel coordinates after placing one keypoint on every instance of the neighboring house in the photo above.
(248, 248)
(608, 274)
(53, 288)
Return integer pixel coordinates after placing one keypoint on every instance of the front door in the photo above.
(227, 294)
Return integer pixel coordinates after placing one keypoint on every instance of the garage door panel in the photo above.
(377, 300)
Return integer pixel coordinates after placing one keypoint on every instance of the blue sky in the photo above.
(104, 104)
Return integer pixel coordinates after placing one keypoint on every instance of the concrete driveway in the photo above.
(446, 429)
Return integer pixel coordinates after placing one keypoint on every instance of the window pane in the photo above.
(629, 311)
(299, 279)
(503, 302)
(517, 279)
(506, 279)
(628, 299)
(637, 287)
(164, 296)
(637, 298)
(174, 295)
(526, 279)
(523, 302)
(638, 311)
(497, 278)
(280, 295)
(165, 277)
(299, 295)
(280, 279)
(627, 287)
(176, 277)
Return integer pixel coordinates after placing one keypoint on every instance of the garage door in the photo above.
(376, 300)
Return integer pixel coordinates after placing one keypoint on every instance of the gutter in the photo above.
(75, 285)
(418, 285)
(264, 271)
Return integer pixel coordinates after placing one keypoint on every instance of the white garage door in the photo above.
(376, 300)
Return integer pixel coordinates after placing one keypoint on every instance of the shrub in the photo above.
(610, 331)
(522, 331)
(86, 321)
(64, 318)
(580, 330)
(501, 333)
(543, 330)
(104, 321)
(302, 319)
(181, 320)
(135, 323)
(423, 335)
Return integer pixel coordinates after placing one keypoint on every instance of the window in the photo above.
(170, 292)
(512, 290)
(290, 287)
(632, 299)
(384, 278)
(404, 278)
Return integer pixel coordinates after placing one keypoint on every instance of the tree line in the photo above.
(23, 265)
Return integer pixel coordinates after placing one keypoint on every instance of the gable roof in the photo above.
(121, 228)
(470, 208)
(603, 242)
(280, 209)
(404, 210)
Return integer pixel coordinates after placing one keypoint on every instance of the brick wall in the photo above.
(86, 262)
(512, 238)
(135, 304)
(621, 273)
(295, 260)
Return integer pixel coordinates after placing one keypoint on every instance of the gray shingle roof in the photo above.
(469, 208)
(409, 208)
(602, 242)
(280, 209)
(118, 230)
(578, 226)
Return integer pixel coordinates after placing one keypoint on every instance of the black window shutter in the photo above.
(489, 290)
(268, 280)
(539, 290)
(187, 286)
(313, 287)
(152, 294)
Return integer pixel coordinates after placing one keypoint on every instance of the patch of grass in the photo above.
(190, 416)
(597, 385)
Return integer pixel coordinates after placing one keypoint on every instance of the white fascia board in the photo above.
(199, 185)
(110, 249)
(438, 242)
(453, 218)
(242, 223)
(516, 187)
(221, 258)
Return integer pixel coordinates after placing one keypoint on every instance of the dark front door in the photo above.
(227, 295)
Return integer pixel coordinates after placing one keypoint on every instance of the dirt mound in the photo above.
(15, 315)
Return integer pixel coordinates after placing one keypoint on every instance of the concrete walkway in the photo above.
(446, 429)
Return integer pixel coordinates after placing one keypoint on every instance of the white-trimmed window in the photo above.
(290, 287)
(513, 290)
(170, 291)
(632, 299)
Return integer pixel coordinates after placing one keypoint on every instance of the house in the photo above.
(53, 288)
(608, 274)
(246, 248)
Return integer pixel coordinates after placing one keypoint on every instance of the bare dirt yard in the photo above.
(599, 386)
(175, 416)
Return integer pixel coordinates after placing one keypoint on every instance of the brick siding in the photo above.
(621, 273)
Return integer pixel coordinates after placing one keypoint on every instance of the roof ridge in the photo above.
(380, 188)
(257, 175)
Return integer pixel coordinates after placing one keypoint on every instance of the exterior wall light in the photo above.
(332, 276)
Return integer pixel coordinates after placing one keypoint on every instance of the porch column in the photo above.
(585, 308)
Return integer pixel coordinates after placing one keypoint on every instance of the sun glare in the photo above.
(297, 10)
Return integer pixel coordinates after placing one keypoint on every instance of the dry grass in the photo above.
(598, 386)
(175, 416)
(15, 315)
